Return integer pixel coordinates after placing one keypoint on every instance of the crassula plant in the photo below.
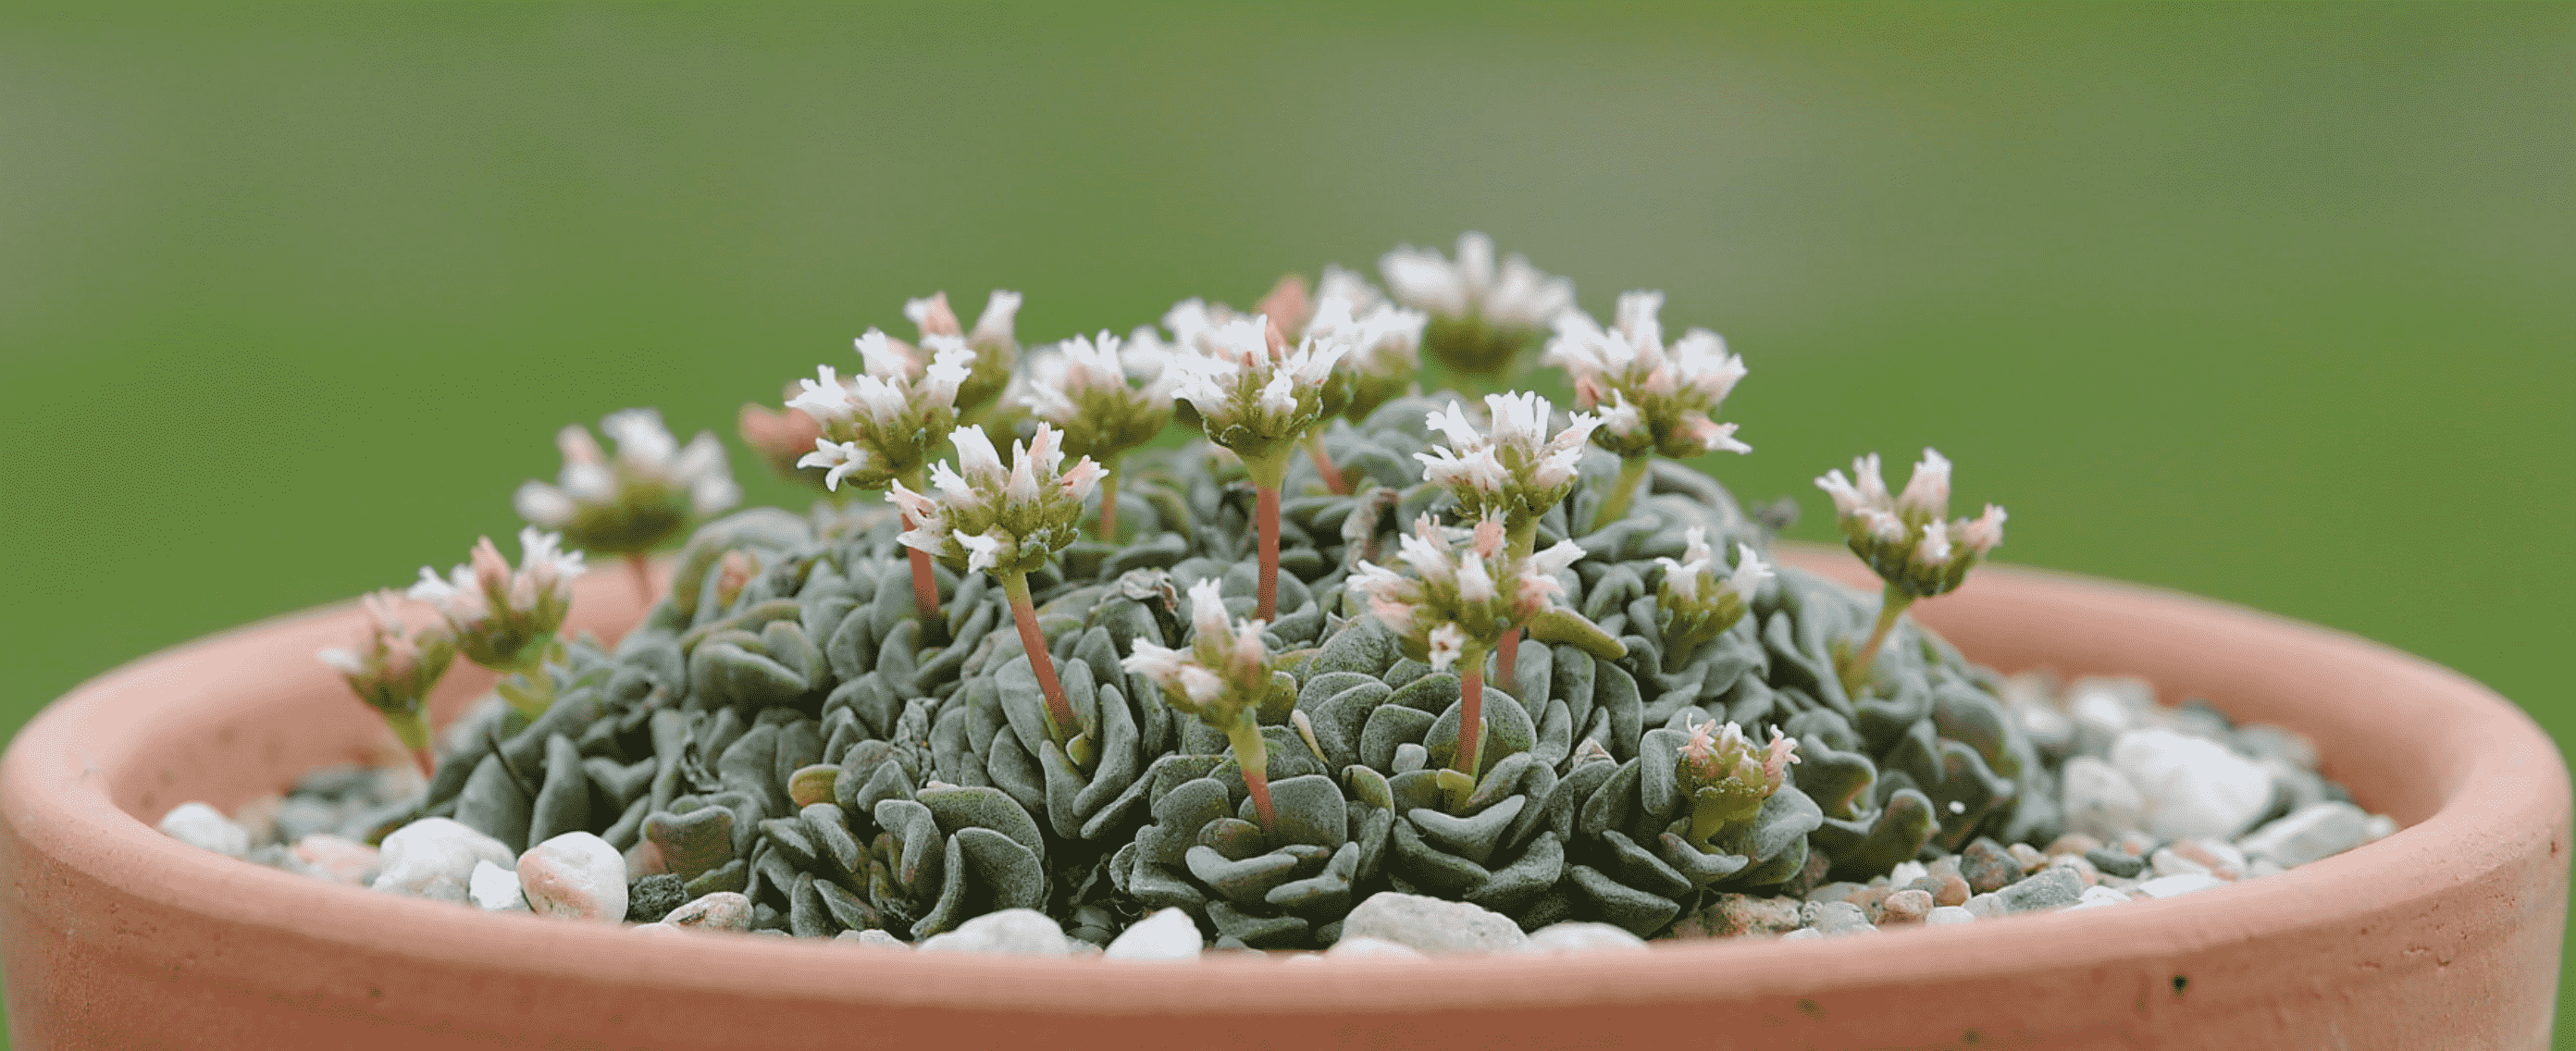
(1178, 652)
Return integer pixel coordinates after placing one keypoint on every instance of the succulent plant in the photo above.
(1033, 716)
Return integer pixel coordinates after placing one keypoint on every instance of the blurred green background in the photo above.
(2273, 304)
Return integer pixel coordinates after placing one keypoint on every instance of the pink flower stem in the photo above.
(1024, 611)
(1324, 464)
(1253, 755)
(1109, 502)
(925, 584)
(1266, 513)
(1471, 715)
(643, 571)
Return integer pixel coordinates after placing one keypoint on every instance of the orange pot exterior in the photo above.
(2444, 935)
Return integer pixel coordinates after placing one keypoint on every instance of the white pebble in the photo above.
(2381, 827)
(576, 875)
(1906, 872)
(1016, 932)
(1364, 947)
(2098, 800)
(496, 889)
(722, 910)
(2312, 832)
(338, 860)
(1432, 925)
(1572, 937)
(2096, 897)
(2193, 786)
(1985, 906)
(1945, 915)
(1163, 936)
(2177, 886)
(206, 828)
(1802, 934)
(2166, 862)
(434, 858)
(2103, 709)
(871, 938)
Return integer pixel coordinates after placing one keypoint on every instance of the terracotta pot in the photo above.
(2446, 934)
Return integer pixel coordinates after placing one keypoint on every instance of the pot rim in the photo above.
(2472, 777)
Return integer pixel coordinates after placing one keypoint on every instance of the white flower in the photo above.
(1254, 394)
(643, 496)
(1517, 469)
(1224, 675)
(1750, 573)
(1904, 537)
(874, 424)
(1448, 643)
(1657, 399)
(1358, 296)
(1468, 593)
(1385, 341)
(991, 517)
(497, 614)
(1207, 608)
(1519, 296)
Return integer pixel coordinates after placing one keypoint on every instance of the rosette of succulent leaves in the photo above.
(788, 723)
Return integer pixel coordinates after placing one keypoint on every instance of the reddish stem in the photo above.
(1507, 659)
(1266, 511)
(643, 570)
(428, 766)
(1471, 718)
(925, 584)
(1259, 786)
(1109, 505)
(1024, 611)
(1324, 466)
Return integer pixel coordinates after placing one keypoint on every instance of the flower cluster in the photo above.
(1254, 393)
(1698, 605)
(1104, 401)
(1515, 469)
(1728, 776)
(633, 502)
(1480, 317)
(884, 424)
(1384, 342)
(1650, 397)
(393, 667)
(996, 347)
(1461, 599)
(1225, 675)
(1007, 520)
(1904, 537)
(501, 618)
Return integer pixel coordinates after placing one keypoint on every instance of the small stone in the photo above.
(2072, 843)
(434, 858)
(258, 818)
(2193, 786)
(2381, 827)
(663, 929)
(2308, 834)
(1945, 888)
(301, 816)
(1836, 891)
(206, 828)
(2029, 856)
(1987, 867)
(2053, 888)
(1802, 934)
(2115, 862)
(871, 938)
(1945, 865)
(1366, 947)
(2095, 897)
(1835, 917)
(2176, 886)
(1946, 915)
(2136, 844)
(2263, 867)
(338, 860)
(653, 897)
(723, 910)
(1163, 936)
(2216, 854)
(1985, 906)
(2273, 742)
(1905, 907)
(1740, 915)
(495, 889)
(2084, 870)
(1432, 925)
(2171, 862)
(1010, 932)
(1868, 898)
(1577, 937)
(576, 875)
(1906, 872)
(2103, 709)
(2099, 800)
